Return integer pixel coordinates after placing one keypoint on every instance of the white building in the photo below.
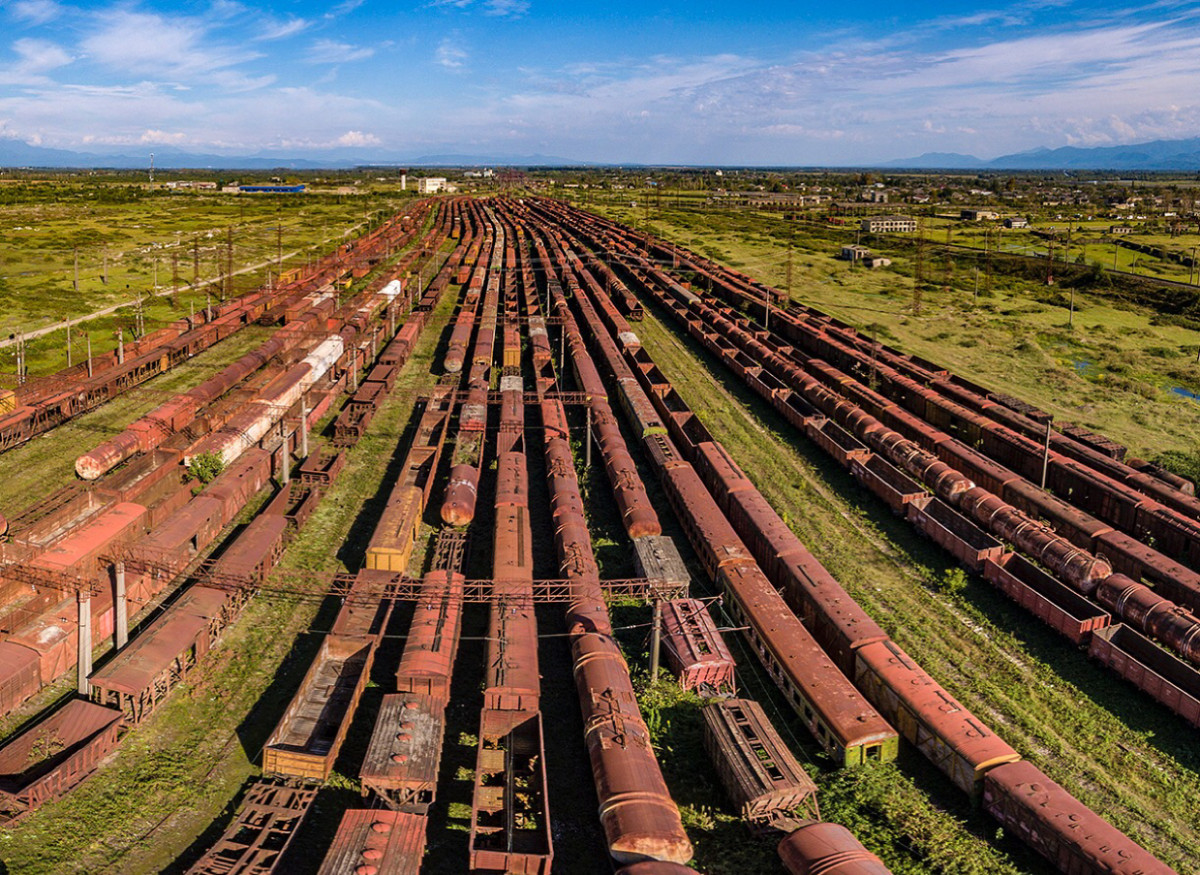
(430, 184)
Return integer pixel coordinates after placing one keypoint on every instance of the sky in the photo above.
(747, 83)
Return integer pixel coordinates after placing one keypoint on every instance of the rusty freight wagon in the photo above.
(310, 733)
(257, 840)
(695, 650)
(54, 755)
(510, 817)
(755, 766)
(401, 763)
(376, 842)
(1165, 677)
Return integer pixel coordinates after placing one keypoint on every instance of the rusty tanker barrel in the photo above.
(1077, 567)
(828, 849)
(458, 507)
(640, 819)
(1143, 608)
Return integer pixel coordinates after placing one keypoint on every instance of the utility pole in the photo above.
(949, 272)
(229, 262)
(919, 267)
(791, 240)
(68, 341)
(195, 262)
(987, 260)
(1046, 454)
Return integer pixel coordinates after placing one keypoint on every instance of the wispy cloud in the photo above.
(506, 8)
(499, 8)
(35, 58)
(326, 51)
(274, 30)
(451, 54)
(161, 47)
(344, 8)
(35, 11)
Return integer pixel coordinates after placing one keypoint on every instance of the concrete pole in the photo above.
(588, 453)
(84, 599)
(121, 608)
(89, 352)
(655, 639)
(285, 466)
(120, 346)
(303, 428)
(1046, 455)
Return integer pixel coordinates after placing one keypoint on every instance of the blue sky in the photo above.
(656, 82)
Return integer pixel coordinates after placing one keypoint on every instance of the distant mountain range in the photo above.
(1155, 155)
(15, 153)
(1179, 155)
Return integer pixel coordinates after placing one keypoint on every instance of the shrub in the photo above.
(206, 466)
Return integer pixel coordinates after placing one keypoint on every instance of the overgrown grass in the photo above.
(1019, 337)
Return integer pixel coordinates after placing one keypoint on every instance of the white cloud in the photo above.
(164, 48)
(153, 136)
(35, 58)
(344, 8)
(450, 54)
(274, 30)
(498, 8)
(326, 51)
(358, 138)
(35, 11)
(38, 56)
(510, 8)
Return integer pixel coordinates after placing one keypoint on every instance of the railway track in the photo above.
(526, 273)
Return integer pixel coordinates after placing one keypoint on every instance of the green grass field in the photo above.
(130, 241)
(1111, 368)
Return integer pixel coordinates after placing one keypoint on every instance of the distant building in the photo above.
(271, 189)
(873, 261)
(430, 184)
(975, 215)
(1120, 229)
(1016, 223)
(187, 183)
(888, 224)
(855, 253)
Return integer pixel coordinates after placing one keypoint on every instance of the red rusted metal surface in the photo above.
(1060, 828)
(54, 755)
(376, 842)
(827, 849)
(401, 763)
(694, 648)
